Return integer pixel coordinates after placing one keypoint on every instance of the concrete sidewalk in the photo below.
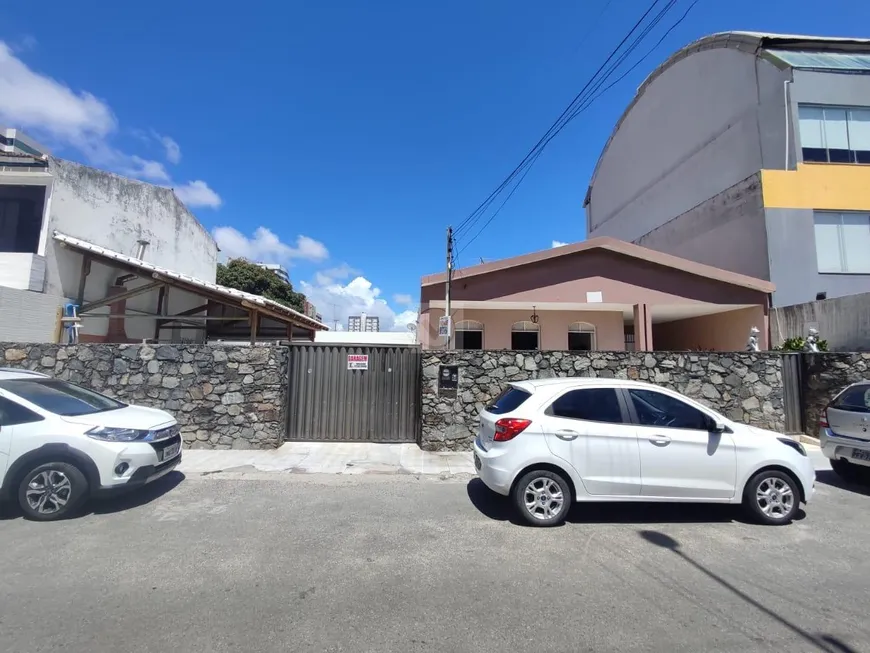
(330, 458)
(350, 458)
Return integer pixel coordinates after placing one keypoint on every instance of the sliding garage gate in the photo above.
(340, 393)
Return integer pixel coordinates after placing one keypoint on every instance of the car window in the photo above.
(591, 404)
(658, 409)
(510, 399)
(12, 413)
(60, 397)
(855, 399)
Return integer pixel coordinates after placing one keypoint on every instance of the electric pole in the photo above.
(449, 279)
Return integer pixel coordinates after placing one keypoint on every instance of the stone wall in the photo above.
(224, 397)
(744, 386)
(823, 376)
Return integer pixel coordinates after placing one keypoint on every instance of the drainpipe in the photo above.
(787, 113)
(140, 251)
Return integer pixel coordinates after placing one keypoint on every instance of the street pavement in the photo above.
(315, 562)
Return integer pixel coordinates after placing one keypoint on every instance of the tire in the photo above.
(67, 490)
(543, 498)
(850, 472)
(781, 503)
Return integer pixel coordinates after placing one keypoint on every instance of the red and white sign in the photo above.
(357, 361)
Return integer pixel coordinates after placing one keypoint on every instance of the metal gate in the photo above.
(792, 396)
(378, 401)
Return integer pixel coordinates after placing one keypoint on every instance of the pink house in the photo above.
(602, 294)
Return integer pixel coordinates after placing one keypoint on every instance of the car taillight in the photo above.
(508, 428)
(823, 419)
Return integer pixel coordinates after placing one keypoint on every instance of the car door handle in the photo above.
(566, 434)
(660, 440)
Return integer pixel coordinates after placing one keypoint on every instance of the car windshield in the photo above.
(60, 397)
(510, 399)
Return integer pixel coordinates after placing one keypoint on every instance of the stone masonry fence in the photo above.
(224, 397)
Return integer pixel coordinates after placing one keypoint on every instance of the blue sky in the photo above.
(342, 137)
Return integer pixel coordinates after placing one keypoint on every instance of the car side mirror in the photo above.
(717, 426)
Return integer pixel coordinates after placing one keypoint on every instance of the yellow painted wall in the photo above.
(825, 186)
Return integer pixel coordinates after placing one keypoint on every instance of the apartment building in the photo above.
(751, 153)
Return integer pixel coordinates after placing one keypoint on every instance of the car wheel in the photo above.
(850, 472)
(51, 491)
(543, 498)
(772, 497)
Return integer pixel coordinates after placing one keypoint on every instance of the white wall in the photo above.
(365, 337)
(27, 316)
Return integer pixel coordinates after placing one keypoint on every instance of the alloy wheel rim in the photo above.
(774, 497)
(48, 492)
(543, 498)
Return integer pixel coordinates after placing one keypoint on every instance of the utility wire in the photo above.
(464, 225)
(595, 92)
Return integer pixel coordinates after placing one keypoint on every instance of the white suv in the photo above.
(551, 442)
(61, 443)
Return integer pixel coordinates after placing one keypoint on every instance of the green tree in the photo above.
(249, 277)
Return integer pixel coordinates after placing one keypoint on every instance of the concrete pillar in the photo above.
(642, 328)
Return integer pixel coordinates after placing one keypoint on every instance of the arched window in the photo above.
(581, 336)
(525, 336)
(469, 334)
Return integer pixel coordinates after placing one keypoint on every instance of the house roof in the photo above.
(753, 43)
(192, 284)
(617, 247)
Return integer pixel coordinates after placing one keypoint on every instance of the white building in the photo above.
(279, 270)
(370, 323)
(71, 234)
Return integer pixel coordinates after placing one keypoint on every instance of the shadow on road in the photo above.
(830, 477)
(500, 508)
(135, 498)
(104, 506)
(821, 641)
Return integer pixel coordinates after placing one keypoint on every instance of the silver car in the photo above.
(844, 432)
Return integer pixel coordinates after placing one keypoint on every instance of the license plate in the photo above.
(861, 454)
(171, 452)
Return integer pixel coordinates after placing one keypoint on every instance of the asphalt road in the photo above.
(376, 563)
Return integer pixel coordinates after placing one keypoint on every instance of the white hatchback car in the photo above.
(844, 432)
(550, 442)
(61, 443)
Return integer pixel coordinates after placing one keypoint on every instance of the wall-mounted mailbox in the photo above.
(448, 377)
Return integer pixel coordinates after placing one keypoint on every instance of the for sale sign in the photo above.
(357, 361)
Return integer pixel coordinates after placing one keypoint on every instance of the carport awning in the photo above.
(222, 294)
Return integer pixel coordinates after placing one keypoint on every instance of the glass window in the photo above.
(591, 404)
(510, 399)
(469, 334)
(60, 397)
(524, 336)
(581, 336)
(859, 134)
(834, 134)
(12, 413)
(661, 410)
(843, 242)
(855, 399)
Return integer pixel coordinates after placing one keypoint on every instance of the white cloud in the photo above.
(173, 150)
(266, 247)
(336, 301)
(52, 111)
(558, 243)
(197, 193)
(402, 299)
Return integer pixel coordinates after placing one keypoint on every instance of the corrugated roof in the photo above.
(229, 293)
(822, 60)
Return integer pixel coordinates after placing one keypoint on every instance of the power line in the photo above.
(464, 225)
(594, 93)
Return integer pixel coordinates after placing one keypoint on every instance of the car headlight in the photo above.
(797, 446)
(112, 434)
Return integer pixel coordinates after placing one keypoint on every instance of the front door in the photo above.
(679, 456)
(589, 427)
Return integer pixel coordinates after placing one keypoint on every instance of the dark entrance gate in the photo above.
(376, 401)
